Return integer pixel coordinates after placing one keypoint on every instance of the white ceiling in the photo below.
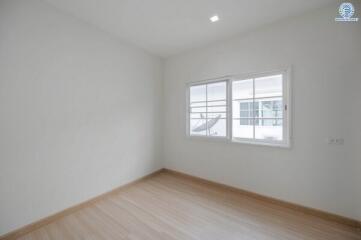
(167, 27)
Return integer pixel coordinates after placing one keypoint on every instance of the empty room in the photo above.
(180, 120)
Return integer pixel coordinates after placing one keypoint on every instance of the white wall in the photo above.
(356, 96)
(79, 112)
(326, 60)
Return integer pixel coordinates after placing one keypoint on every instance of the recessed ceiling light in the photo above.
(215, 18)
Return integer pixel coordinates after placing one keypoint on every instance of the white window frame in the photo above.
(203, 82)
(287, 109)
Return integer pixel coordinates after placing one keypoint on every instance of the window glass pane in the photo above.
(217, 127)
(244, 121)
(217, 109)
(244, 114)
(216, 91)
(242, 107)
(242, 128)
(208, 109)
(197, 93)
(269, 129)
(235, 109)
(198, 109)
(198, 127)
(268, 95)
(198, 104)
(269, 108)
(217, 103)
(277, 104)
(270, 86)
(242, 89)
(256, 109)
(198, 116)
(216, 115)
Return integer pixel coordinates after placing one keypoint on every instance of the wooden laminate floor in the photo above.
(168, 206)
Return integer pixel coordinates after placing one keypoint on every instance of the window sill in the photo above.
(261, 143)
(241, 141)
(208, 138)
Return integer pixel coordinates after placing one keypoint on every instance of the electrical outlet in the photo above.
(339, 141)
(331, 141)
(335, 141)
